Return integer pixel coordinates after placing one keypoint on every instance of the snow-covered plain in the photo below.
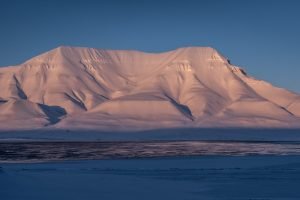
(85, 88)
(188, 134)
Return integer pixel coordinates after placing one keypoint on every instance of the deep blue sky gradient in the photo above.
(263, 36)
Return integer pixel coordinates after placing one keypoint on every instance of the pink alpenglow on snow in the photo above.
(86, 88)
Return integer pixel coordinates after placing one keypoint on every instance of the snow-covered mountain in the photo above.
(85, 88)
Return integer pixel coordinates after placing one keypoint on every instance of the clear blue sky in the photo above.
(260, 35)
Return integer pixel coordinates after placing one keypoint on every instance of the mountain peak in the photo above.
(82, 53)
(112, 89)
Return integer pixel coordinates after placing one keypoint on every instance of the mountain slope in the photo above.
(87, 88)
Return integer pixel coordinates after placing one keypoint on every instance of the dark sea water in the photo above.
(47, 151)
(251, 177)
(208, 164)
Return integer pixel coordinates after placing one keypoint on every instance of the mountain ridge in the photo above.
(87, 88)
